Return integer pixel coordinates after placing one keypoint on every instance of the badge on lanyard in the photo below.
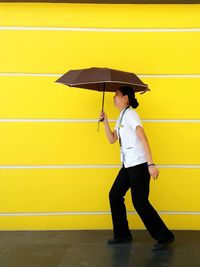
(120, 141)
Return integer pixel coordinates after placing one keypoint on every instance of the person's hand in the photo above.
(103, 116)
(154, 172)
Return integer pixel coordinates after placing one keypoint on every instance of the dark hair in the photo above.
(127, 90)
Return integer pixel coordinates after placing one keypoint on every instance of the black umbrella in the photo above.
(102, 79)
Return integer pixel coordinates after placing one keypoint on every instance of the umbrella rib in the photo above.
(143, 85)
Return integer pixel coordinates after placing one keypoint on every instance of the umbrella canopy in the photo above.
(102, 79)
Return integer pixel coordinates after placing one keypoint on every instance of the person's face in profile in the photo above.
(120, 100)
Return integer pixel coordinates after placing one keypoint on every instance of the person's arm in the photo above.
(152, 168)
(112, 136)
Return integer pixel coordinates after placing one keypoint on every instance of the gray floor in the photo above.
(89, 249)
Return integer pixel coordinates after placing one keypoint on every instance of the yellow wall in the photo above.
(56, 174)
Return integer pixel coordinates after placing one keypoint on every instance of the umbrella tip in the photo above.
(146, 89)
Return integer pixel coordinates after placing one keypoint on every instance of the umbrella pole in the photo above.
(102, 108)
(103, 100)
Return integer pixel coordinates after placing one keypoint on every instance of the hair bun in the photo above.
(134, 103)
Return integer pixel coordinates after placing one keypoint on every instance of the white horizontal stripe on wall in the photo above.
(166, 166)
(169, 120)
(18, 74)
(90, 29)
(96, 120)
(90, 213)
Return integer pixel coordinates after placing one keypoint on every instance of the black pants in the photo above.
(136, 178)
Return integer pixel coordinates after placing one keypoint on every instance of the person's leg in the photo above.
(118, 209)
(139, 183)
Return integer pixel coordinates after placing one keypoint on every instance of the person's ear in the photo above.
(126, 98)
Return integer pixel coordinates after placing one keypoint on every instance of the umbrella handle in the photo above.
(102, 119)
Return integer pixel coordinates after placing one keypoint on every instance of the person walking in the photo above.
(137, 168)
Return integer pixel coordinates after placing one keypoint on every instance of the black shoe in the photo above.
(120, 240)
(162, 245)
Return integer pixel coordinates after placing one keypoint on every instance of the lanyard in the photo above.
(120, 141)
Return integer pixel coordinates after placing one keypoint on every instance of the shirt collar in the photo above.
(123, 110)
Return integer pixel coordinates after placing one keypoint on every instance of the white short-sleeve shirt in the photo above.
(132, 150)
